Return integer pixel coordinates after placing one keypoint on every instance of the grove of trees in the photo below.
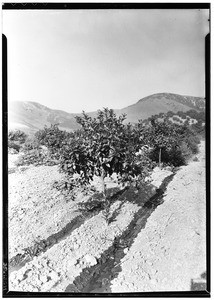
(106, 145)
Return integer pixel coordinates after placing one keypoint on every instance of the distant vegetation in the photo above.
(16, 139)
(52, 140)
(195, 120)
(105, 145)
(32, 116)
(171, 143)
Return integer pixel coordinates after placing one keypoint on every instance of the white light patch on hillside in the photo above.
(15, 125)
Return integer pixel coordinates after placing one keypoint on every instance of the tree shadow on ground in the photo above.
(96, 279)
(134, 195)
(96, 202)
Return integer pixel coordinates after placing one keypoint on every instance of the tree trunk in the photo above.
(103, 183)
(160, 158)
(106, 200)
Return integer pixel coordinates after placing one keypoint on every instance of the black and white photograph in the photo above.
(106, 156)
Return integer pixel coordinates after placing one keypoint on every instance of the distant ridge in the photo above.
(31, 116)
(161, 102)
(194, 102)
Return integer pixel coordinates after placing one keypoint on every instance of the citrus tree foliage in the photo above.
(105, 145)
(31, 143)
(168, 141)
(17, 136)
(53, 138)
(16, 139)
(44, 146)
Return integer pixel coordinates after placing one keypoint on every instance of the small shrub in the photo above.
(53, 138)
(17, 136)
(195, 159)
(31, 143)
(185, 152)
(171, 143)
(170, 113)
(192, 141)
(44, 147)
(175, 118)
(36, 157)
(13, 145)
(15, 139)
(175, 156)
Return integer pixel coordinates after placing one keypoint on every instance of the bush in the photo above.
(192, 143)
(43, 147)
(175, 156)
(103, 146)
(175, 118)
(36, 157)
(53, 138)
(17, 136)
(170, 113)
(31, 143)
(13, 145)
(184, 152)
(31, 157)
(195, 159)
(15, 139)
(171, 143)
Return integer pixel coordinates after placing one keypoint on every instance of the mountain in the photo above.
(161, 103)
(32, 116)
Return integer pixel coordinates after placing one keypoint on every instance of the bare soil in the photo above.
(170, 252)
(166, 243)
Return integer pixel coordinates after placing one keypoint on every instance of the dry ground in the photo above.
(166, 255)
(171, 250)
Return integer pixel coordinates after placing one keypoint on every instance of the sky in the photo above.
(89, 59)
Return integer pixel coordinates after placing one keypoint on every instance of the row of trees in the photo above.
(182, 116)
(105, 145)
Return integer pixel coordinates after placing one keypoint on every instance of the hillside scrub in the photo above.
(16, 138)
(197, 117)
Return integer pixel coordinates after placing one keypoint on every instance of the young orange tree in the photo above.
(105, 145)
(53, 138)
(167, 138)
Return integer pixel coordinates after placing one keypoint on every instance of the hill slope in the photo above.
(31, 116)
(163, 102)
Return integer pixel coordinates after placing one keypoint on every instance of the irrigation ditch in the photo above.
(87, 210)
(96, 279)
